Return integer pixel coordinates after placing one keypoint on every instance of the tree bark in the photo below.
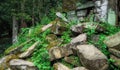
(14, 30)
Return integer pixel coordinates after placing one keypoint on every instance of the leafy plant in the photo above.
(109, 30)
(66, 37)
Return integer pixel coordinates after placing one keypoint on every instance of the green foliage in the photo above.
(109, 30)
(51, 14)
(40, 56)
(45, 20)
(66, 37)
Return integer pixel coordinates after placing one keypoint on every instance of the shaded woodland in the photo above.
(60, 35)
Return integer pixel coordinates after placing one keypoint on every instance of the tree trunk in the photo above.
(14, 30)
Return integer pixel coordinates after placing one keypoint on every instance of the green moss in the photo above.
(8, 50)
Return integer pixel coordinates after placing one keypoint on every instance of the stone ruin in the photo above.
(99, 10)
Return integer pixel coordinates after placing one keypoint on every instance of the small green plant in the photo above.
(109, 30)
(40, 56)
(45, 20)
(66, 37)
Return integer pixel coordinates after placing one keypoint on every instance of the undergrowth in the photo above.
(40, 56)
(109, 30)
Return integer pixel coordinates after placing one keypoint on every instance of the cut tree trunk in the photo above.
(15, 30)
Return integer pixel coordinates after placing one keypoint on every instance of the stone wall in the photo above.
(103, 10)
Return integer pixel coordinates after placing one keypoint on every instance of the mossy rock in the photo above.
(54, 43)
(9, 49)
(4, 64)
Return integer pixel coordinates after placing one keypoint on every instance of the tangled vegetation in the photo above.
(40, 56)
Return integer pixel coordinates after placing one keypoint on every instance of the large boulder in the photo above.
(59, 52)
(116, 60)
(4, 62)
(71, 15)
(115, 52)
(58, 27)
(113, 41)
(80, 38)
(79, 68)
(92, 58)
(18, 64)
(29, 51)
(77, 29)
(87, 25)
(60, 66)
(73, 60)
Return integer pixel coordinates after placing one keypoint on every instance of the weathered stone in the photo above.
(91, 25)
(54, 43)
(59, 52)
(71, 16)
(60, 66)
(18, 64)
(111, 17)
(47, 26)
(92, 58)
(4, 62)
(60, 15)
(79, 68)
(8, 69)
(95, 38)
(82, 13)
(77, 29)
(80, 38)
(116, 60)
(72, 60)
(86, 5)
(29, 51)
(115, 52)
(113, 12)
(58, 27)
(51, 37)
(113, 41)
(17, 49)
